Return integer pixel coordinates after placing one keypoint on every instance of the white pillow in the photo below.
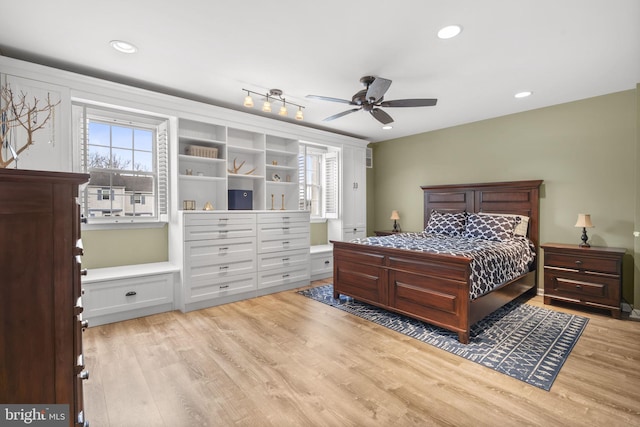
(521, 228)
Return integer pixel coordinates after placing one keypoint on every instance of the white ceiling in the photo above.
(562, 50)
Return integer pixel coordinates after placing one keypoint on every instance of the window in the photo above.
(126, 156)
(318, 180)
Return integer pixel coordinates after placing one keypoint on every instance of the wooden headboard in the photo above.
(514, 197)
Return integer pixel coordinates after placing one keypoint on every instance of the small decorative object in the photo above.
(272, 202)
(288, 178)
(584, 221)
(189, 205)
(395, 217)
(236, 168)
(282, 208)
(274, 162)
(208, 206)
(275, 177)
(189, 172)
(15, 111)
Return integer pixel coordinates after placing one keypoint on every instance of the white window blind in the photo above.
(318, 181)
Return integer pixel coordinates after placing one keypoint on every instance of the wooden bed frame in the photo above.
(435, 287)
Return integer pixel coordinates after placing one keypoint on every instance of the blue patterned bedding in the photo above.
(493, 262)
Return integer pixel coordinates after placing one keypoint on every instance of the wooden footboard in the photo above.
(433, 288)
(429, 287)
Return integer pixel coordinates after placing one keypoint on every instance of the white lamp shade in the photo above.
(394, 215)
(248, 101)
(584, 221)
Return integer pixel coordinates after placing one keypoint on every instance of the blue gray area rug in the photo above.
(525, 342)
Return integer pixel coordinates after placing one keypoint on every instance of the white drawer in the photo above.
(283, 259)
(322, 263)
(282, 276)
(219, 218)
(219, 226)
(266, 231)
(219, 270)
(201, 290)
(278, 243)
(113, 296)
(230, 231)
(283, 217)
(213, 252)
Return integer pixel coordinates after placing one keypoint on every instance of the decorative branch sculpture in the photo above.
(16, 111)
(236, 168)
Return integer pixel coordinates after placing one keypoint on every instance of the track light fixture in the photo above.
(274, 94)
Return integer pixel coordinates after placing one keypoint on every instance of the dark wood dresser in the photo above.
(40, 291)
(588, 276)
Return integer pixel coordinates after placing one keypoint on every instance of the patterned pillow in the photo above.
(449, 223)
(490, 227)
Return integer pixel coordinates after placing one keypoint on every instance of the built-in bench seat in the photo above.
(321, 261)
(112, 294)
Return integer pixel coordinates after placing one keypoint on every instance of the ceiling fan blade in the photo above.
(409, 103)
(344, 113)
(381, 116)
(326, 98)
(378, 88)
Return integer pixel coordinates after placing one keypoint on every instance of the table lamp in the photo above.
(395, 217)
(584, 221)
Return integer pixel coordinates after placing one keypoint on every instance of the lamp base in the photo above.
(584, 239)
(396, 228)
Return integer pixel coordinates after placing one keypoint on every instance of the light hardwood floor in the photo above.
(286, 360)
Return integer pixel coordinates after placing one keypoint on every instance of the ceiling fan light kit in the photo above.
(273, 94)
(372, 97)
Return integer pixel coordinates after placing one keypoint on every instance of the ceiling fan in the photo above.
(371, 98)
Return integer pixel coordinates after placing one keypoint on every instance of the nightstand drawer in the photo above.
(582, 287)
(581, 262)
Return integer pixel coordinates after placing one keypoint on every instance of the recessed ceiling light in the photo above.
(449, 31)
(523, 94)
(387, 127)
(122, 46)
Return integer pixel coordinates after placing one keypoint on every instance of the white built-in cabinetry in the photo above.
(234, 255)
(353, 215)
(283, 250)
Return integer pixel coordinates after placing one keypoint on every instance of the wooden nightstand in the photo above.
(588, 276)
(384, 232)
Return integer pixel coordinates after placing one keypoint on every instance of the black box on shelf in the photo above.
(240, 199)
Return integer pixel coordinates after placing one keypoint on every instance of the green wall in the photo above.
(585, 151)
(108, 248)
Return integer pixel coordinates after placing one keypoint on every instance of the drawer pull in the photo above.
(223, 219)
(223, 231)
(84, 272)
(224, 267)
(284, 276)
(224, 286)
(285, 228)
(578, 263)
(84, 324)
(285, 259)
(84, 375)
(130, 294)
(285, 218)
(578, 286)
(285, 243)
(223, 249)
(327, 262)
